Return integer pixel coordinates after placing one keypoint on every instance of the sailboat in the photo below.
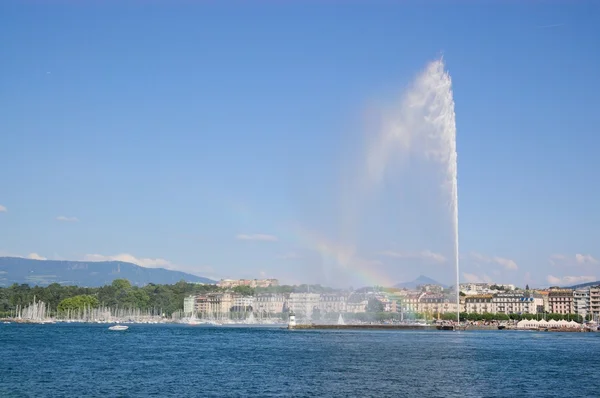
(341, 320)
(192, 321)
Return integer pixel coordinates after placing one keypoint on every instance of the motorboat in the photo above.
(118, 327)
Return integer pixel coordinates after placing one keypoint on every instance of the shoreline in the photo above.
(323, 326)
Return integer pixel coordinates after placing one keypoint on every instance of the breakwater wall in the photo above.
(359, 327)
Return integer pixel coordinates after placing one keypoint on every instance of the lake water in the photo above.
(175, 360)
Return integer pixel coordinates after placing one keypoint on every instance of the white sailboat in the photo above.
(192, 320)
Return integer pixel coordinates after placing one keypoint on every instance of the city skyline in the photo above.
(227, 144)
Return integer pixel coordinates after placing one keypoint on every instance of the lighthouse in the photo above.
(292, 320)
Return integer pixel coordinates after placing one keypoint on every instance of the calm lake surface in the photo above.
(176, 360)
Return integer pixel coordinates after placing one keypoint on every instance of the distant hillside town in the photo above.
(253, 283)
(421, 298)
(428, 300)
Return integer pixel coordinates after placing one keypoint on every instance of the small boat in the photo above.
(118, 327)
(501, 327)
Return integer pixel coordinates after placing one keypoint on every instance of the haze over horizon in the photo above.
(228, 140)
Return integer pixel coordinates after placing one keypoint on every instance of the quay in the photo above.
(362, 327)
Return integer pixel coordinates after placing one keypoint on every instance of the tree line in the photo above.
(120, 293)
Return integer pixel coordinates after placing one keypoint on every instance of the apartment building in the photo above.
(332, 303)
(303, 304)
(269, 303)
(189, 305)
(432, 303)
(595, 301)
(581, 302)
(479, 304)
(560, 301)
(516, 303)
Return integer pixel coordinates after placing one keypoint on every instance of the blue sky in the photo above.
(218, 139)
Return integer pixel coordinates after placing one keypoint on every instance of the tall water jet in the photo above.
(423, 125)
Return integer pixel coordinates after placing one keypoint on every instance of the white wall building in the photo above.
(332, 303)
(595, 301)
(516, 303)
(581, 301)
(303, 304)
(189, 304)
(269, 303)
(240, 302)
(479, 304)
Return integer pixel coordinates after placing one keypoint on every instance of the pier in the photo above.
(362, 327)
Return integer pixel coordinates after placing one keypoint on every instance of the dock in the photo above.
(362, 327)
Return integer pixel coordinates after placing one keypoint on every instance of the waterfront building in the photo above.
(452, 307)
(432, 303)
(516, 303)
(201, 304)
(560, 300)
(595, 301)
(303, 304)
(242, 303)
(411, 302)
(269, 303)
(581, 302)
(214, 304)
(357, 302)
(479, 304)
(332, 303)
(189, 305)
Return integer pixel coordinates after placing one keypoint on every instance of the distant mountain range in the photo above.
(584, 285)
(421, 280)
(86, 273)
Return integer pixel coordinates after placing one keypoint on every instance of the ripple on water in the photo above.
(173, 360)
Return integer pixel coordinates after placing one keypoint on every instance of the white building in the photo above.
(303, 304)
(479, 304)
(581, 302)
(332, 303)
(242, 303)
(189, 304)
(516, 303)
(269, 303)
(595, 301)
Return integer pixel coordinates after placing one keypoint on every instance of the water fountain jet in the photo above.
(424, 125)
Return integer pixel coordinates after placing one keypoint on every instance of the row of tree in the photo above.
(120, 293)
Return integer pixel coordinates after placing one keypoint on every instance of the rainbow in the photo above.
(344, 256)
(340, 255)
